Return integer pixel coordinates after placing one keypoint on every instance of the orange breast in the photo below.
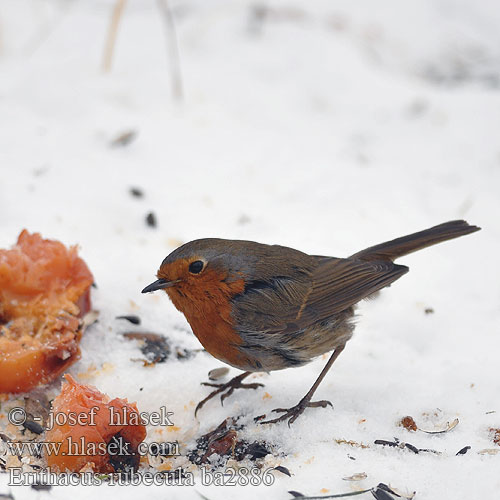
(208, 310)
(219, 340)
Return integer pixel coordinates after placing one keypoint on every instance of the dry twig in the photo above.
(112, 32)
(177, 91)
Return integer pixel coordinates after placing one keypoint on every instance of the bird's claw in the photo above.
(295, 411)
(226, 389)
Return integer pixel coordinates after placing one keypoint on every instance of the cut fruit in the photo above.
(93, 442)
(44, 293)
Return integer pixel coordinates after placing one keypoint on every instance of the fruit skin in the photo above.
(79, 399)
(44, 292)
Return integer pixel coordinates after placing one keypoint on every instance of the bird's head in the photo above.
(205, 269)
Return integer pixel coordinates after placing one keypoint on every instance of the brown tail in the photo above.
(393, 249)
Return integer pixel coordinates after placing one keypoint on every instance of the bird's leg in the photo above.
(227, 389)
(293, 413)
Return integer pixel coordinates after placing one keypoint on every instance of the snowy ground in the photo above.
(327, 126)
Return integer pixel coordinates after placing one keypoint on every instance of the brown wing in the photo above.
(293, 302)
(338, 284)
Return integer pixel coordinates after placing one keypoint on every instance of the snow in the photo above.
(328, 126)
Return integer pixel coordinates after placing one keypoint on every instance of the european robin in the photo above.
(267, 307)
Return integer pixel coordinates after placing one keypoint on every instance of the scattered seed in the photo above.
(252, 451)
(151, 220)
(221, 440)
(283, 470)
(356, 477)
(135, 320)
(33, 426)
(463, 451)
(185, 353)
(449, 426)
(225, 442)
(136, 192)
(155, 347)
(384, 487)
(429, 310)
(218, 373)
(41, 487)
(90, 318)
(408, 423)
(381, 494)
(37, 406)
(412, 448)
(495, 435)
(124, 138)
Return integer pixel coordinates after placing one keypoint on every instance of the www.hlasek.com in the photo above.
(229, 477)
(80, 447)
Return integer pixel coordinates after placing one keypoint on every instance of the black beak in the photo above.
(159, 285)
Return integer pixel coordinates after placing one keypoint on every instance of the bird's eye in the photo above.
(196, 267)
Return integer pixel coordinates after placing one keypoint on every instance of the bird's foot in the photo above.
(226, 389)
(295, 411)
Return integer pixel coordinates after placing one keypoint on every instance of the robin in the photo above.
(267, 307)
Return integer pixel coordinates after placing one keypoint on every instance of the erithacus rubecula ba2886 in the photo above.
(266, 307)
